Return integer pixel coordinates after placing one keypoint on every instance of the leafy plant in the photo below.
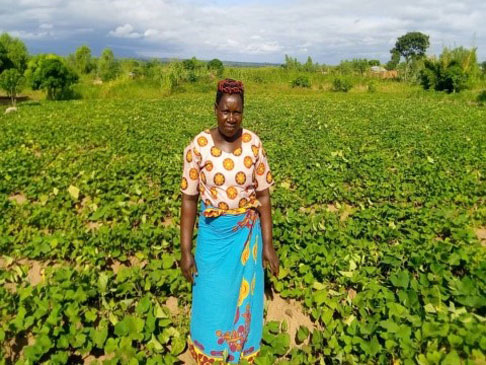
(341, 84)
(301, 81)
(481, 98)
(12, 81)
(50, 73)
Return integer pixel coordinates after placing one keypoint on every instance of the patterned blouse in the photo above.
(226, 180)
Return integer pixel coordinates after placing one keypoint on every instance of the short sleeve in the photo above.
(190, 171)
(263, 176)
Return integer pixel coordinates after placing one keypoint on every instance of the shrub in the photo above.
(216, 66)
(49, 73)
(372, 86)
(341, 84)
(301, 81)
(11, 81)
(455, 70)
(481, 97)
(108, 67)
(449, 78)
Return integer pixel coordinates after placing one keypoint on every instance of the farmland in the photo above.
(379, 213)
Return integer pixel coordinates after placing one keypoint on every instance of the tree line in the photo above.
(454, 70)
(55, 75)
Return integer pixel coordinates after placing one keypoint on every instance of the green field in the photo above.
(379, 212)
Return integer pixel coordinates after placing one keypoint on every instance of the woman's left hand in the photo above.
(270, 258)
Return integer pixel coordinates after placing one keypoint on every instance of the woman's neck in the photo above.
(231, 139)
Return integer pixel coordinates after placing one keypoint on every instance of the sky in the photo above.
(247, 31)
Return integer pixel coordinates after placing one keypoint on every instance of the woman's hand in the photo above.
(270, 258)
(188, 266)
(188, 217)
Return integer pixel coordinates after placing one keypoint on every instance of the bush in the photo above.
(11, 81)
(450, 78)
(108, 67)
(216, 66)
(481, 97)
(50, 73)
(301, 81)
(341, 84)
(372, 86)
(455, 70)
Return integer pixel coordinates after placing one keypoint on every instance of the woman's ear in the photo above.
(215, 109)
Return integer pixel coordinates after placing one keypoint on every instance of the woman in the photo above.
(227, 166)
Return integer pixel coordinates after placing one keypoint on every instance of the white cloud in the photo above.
(125, 31)
(251, 31)
(29, 35)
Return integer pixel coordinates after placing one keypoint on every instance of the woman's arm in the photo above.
(269, 254)
(188, 218)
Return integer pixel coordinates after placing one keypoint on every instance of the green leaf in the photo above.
(273, 327)
(130, 326)
(144, 305)
(91, 315)
(156, 345)
(302, 334)
(74, 192)
(160, 312)
(177, 345)
(111, 345)
(400, 279)
(99, 335)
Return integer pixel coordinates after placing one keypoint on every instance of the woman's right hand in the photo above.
(188, 266)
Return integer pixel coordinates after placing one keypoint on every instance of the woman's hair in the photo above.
(229, 86)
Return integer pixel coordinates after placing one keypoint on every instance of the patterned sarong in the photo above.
(227, 295)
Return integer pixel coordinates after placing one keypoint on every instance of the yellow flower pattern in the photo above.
(244, 291)
(245, 255)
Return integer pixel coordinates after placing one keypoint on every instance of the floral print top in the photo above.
(226, 180)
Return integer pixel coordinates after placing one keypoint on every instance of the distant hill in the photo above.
(228, 63)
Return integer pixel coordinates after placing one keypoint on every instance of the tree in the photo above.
(483, 67)
(310, 66)
(49, 73)
(374, 63)
(5, 62)
(190, 65)
(11, 81)
(454, 71)
(216, 66)
(82, 59)
(13, 53)
(412, 45)
(291, 63)
(356, 65)
(107, 65)
(394, 61)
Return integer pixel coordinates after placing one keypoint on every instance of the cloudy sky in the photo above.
(248, 30)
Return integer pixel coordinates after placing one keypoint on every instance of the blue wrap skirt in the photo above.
(227, 294)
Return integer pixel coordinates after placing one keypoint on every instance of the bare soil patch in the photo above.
(93, 226)
(172, 303)
(168, 221)
(332, 208)
(35, 275)
(291, 311)
(481, 235)
(19, 198)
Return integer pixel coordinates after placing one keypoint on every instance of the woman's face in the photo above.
(229, 113)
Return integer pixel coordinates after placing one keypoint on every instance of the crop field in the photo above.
(379, 213)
